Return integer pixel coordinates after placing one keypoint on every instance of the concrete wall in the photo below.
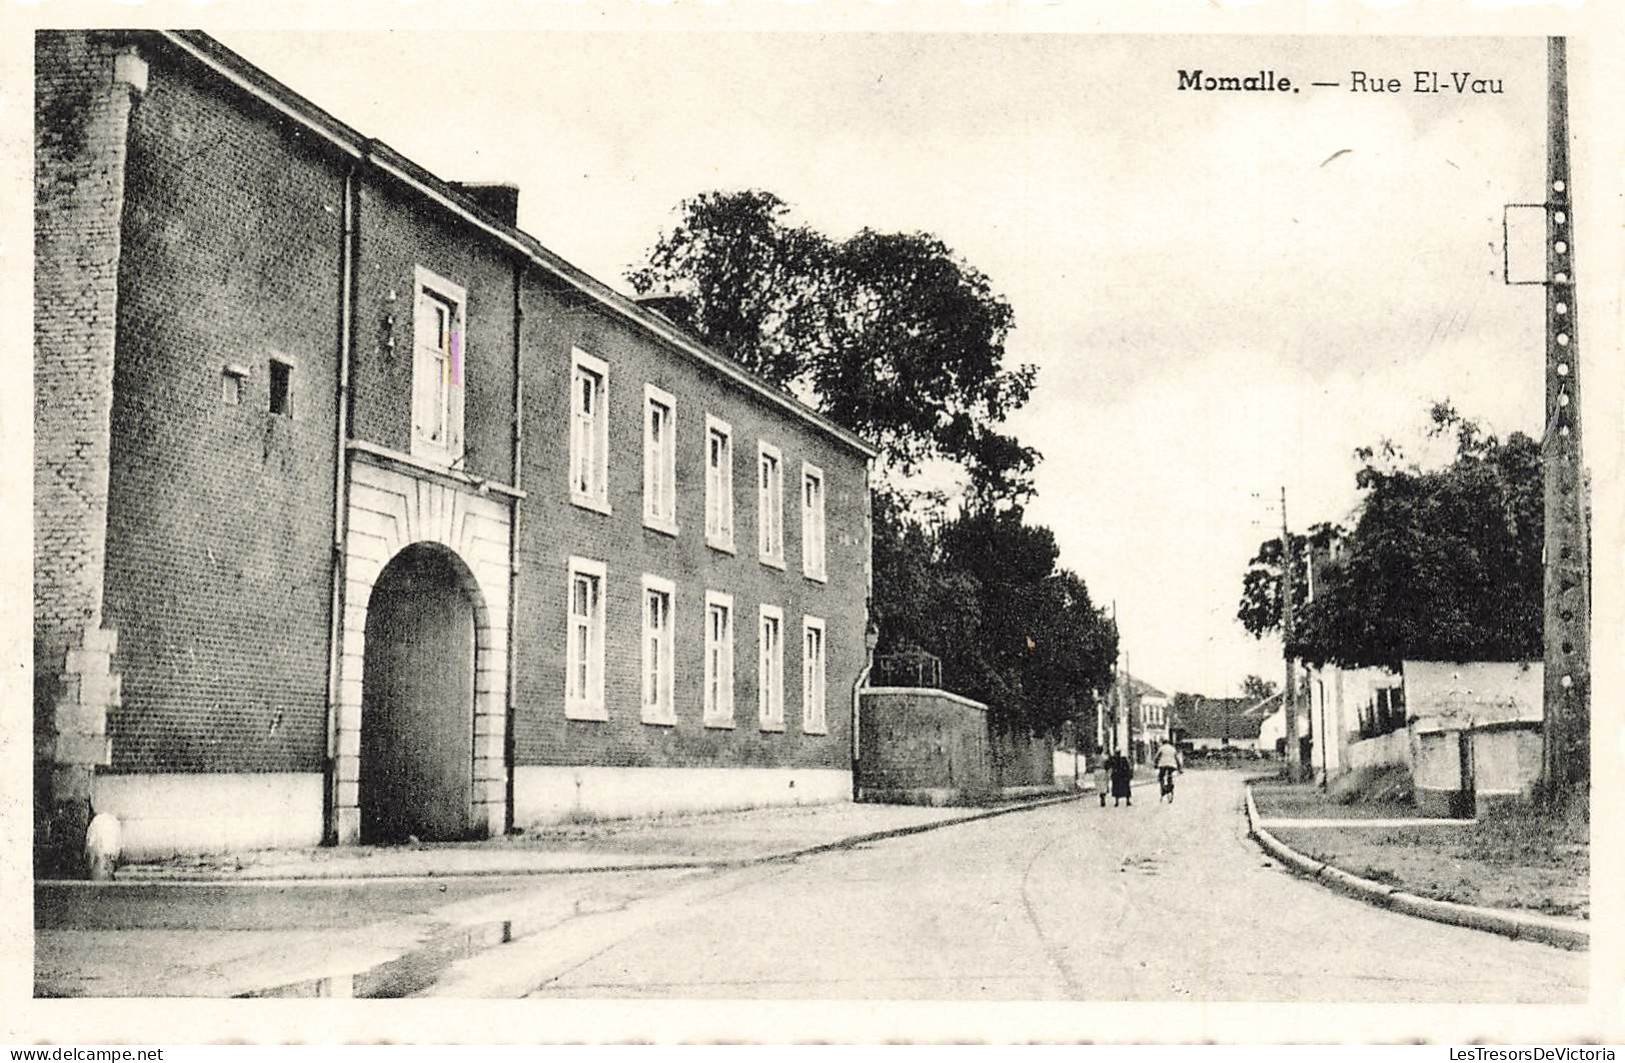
(558, 794)
(1337, 696)
(1506, 763)
(1449, 695)
(1390, 750)
(1498, 706)
(165, 815)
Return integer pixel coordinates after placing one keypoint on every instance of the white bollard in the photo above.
(102, 845)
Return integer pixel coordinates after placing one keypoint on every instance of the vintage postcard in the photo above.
(781, 524)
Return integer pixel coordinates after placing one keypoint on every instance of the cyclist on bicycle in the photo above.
(1168, 762)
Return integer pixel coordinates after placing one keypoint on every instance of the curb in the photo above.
(1550, 930)
(137, 877)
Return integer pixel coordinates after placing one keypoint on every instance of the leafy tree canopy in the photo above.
(890, 334)
(1257, 688)
(1442, 564)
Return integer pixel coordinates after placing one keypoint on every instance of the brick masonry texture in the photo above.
(226, 251)
(398, 234)
(79, 116)
(221, 517)
(924, 739)
(553, 529)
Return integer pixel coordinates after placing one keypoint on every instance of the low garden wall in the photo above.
(924, 746)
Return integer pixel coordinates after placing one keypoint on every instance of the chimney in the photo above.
(500, 200)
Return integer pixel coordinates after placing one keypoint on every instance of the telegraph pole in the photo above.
(1567, 576)
(1289, 693)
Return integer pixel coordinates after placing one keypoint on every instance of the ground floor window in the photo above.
(770, 668)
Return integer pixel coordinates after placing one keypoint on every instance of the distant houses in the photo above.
(1204, 724)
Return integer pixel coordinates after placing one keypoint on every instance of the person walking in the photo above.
(1103, 776)
(1122, 777)
(1168, 762)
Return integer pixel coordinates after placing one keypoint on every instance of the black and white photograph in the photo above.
(672, 520)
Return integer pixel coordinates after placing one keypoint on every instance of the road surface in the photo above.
(1153, 902)
(1149, 903)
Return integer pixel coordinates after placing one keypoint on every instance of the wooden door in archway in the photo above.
(417, 702)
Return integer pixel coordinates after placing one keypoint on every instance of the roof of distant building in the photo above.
(1195, 716)
(1140, 688)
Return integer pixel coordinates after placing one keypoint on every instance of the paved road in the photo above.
(1154, 902)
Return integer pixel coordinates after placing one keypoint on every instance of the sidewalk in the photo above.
(1513, 859)
(387, 920)
(684, 841)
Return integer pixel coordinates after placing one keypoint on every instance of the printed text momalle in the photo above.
(1253, 81)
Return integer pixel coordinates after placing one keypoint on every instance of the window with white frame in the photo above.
(719, 659)
(657, 650)
(584, 654)
(437, 368)
(812, 522)
(770, 668)
(589, 431)
(659, 459)
(719, 484)
(770, 504)
(812, 676)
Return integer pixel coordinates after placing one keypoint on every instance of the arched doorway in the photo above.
(417, 699)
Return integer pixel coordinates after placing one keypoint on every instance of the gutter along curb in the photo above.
(1550, 930)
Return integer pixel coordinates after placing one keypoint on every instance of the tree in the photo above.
(750, 280)
(1041, 649)
(890, 334)
(895, 337)
(1257, 688)
(1442, 564)
(1261, 584)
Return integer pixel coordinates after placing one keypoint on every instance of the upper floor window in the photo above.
(812, 522)
(812, 676)
(770, 504)
(719, 484)
(584, 650)
(719, 659)
(437, 368)
(589, 431)
(659, 460)
(657, 650)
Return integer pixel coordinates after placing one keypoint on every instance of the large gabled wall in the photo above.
(220, 525)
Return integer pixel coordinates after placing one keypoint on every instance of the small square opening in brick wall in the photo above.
(233, 382)
(281, 388)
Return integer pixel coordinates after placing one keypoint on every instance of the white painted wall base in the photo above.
(169, 815)
(554, 794)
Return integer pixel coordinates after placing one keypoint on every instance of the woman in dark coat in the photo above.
(1122, 776)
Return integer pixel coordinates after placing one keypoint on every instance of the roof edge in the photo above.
(216, 57)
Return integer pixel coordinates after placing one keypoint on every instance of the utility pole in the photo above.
(1289, 693)
(1567, 577)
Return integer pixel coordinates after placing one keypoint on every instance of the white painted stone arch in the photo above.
(389, 511)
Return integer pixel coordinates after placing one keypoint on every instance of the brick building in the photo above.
(359, 514)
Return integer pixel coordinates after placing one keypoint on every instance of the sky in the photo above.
(1224, 293)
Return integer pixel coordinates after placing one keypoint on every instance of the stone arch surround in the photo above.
(389, 511)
